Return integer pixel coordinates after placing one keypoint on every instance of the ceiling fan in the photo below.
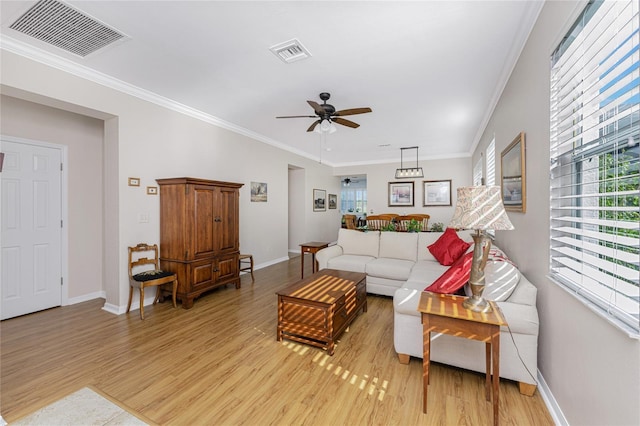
(328, 112)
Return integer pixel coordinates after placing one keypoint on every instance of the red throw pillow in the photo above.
(448, 248)
(455, 277)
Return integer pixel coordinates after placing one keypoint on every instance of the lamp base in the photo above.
(477, 304)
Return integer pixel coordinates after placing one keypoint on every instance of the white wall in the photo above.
(297, 209)
(151, 142)
(458, 170)
(591, 368)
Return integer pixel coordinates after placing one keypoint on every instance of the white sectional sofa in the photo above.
(398, 264)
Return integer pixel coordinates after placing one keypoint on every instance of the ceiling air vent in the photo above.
(290, 51)
(62, 26)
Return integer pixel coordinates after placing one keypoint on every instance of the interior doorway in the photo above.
(353, 197)
(31, 227)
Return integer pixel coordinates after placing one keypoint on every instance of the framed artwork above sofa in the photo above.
(400, 194)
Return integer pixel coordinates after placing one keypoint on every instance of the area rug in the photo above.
(84, 407)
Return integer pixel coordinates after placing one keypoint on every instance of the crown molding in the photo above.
(36, 54)
(530, 16)
(18, 47)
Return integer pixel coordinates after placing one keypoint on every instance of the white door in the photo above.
(31, 228)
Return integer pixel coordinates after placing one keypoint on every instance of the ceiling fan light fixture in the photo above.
(325, 126)
(409, 172)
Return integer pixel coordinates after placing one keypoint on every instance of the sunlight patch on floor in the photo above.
(370, 385)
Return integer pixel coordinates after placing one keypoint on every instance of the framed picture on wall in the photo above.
(259, 192)
(333, 201)
(436, 193)
(513, 176)
(400, 194)
(319, 200)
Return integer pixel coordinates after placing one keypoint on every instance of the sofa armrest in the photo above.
(522, 318)
(525, 293)
(406, 300)
(323, 256)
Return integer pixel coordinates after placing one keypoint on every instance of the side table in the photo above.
(312, 247)
(442, 313)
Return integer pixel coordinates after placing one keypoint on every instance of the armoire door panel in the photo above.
(202, 274)
(228, 224)
(227, 267)
(203, 220)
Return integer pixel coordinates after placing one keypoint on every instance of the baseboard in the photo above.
(87, 297)
(135, 304)
(552, 405)
(271, 262)
(112, 309)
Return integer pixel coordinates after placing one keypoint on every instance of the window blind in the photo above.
(491, 163)
(594, 147)
(477, 173)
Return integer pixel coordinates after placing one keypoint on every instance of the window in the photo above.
(477, 173)
(353, 200)
(491, 163)
(594, 147)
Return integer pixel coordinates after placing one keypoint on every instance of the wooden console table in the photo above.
(312, 247)
(443, 313)
(317, 309)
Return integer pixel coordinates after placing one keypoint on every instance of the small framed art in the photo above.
(319, 200)
(333, 201)
(259, 192)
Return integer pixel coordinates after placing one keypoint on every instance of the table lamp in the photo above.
(479, 208)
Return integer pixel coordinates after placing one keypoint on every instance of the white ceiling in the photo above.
(431, 71)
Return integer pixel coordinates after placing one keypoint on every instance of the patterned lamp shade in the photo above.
(480, 207)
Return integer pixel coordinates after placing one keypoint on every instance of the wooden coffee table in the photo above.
(317, 309)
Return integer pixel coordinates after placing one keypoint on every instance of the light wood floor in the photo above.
(220, 364)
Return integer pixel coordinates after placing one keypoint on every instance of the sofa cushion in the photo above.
(454, 278)
(360, 243)
(383, 286)
(501, 276)
(395, 269)
(349, 262)
(426, 272)
(449, 247)
(399, 245)
(425, 239)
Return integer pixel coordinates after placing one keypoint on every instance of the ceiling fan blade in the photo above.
(313, 126)
(352, 111)
(345, 122)
(297, 116)
(316, 107)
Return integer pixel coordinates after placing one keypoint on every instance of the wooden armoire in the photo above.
(199, 234)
